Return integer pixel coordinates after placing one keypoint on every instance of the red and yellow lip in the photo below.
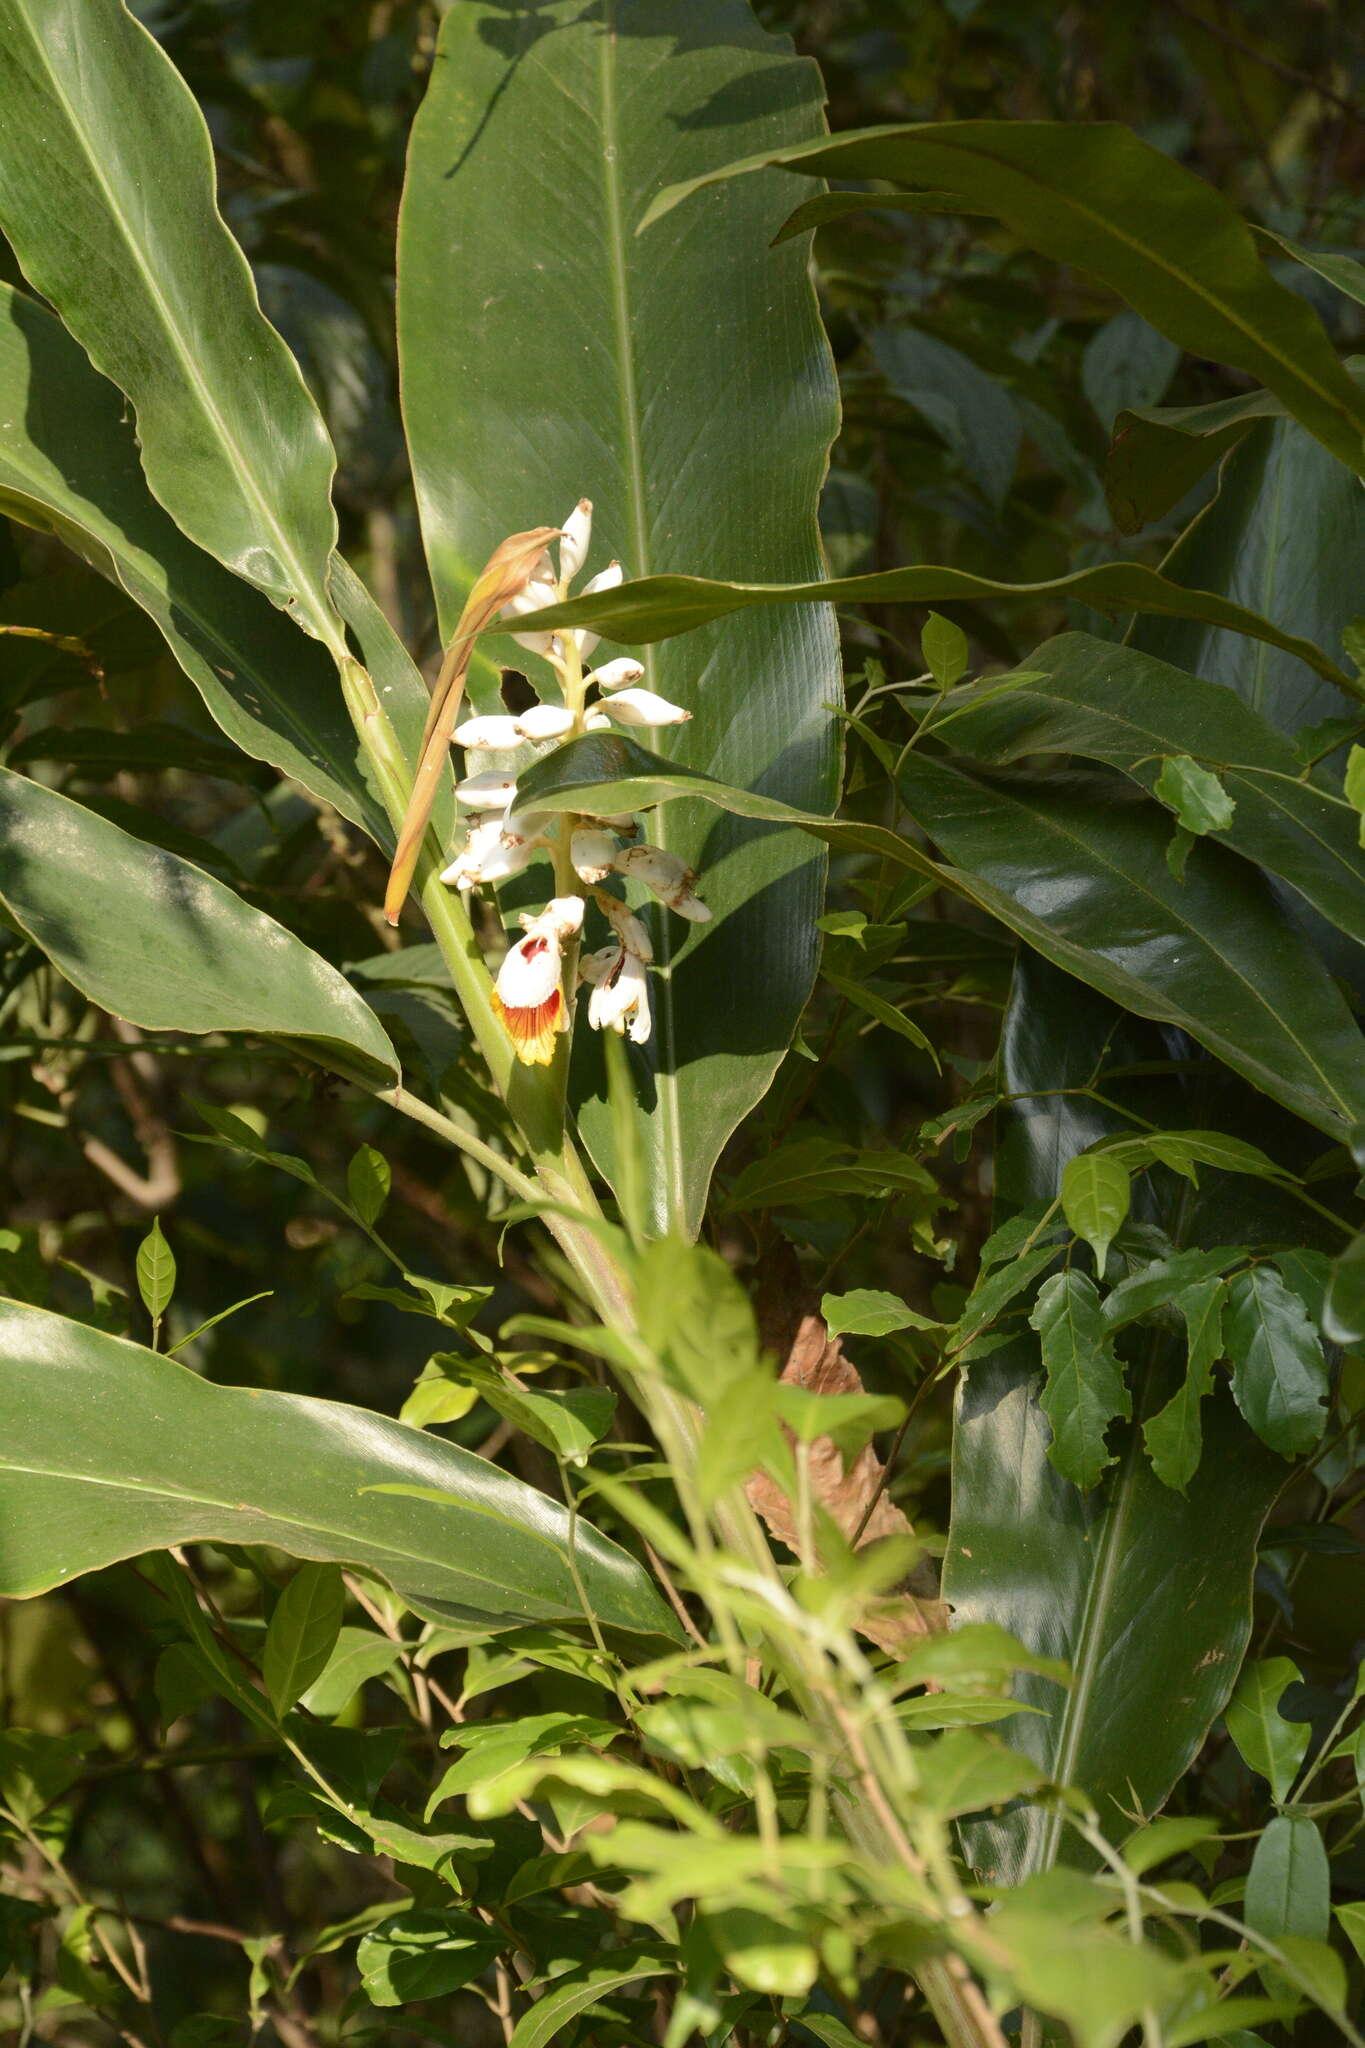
(533, 1029)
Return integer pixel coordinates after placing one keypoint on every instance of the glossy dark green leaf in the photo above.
(555, 363)
(574, 1992)
(1097, 196)
(1174, 1435)
(1289, 1885)
(1159, 453)
(1080, 873)
(107, 198)
(69, 465)
(302, 1634)
(1090, 698)
(1085, 1388)
(1122, 1583)
(152, 939)
(1344, 1309)
(108, 1450)
(1279, 1374)
(1286, 533)
(654, 608)
(424, 1955)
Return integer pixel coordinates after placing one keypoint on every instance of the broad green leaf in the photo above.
(1279, 1375)
(1344, 1310)
(1099, 197)
(1214, 954)
(971, 410)
(155, 1272)
(1199, 800)
(1289, 1884)
(1351, 1918)
(574, 1992)
(1113, 704)
(1284, 534)
(944, 647)
(1268, 1744)
(357, 1655)
(1065, 1963)
(1080, 873)
(1159, 453)
(656, 607)
(1173, 1436)
(367, 1182)
(977, 1654)
(302, 1634)
(1123, 1582)
(690, 452)
(424, 1955)
(107, 198)
(870, 1312)
(1126, 363)
(1085, 1385)
(109, 1450)
(69, 465)
(1096, 1192)
(152, 939)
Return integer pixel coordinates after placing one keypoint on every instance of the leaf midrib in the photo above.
(194, 378)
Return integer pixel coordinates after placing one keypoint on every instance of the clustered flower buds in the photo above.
(529, 994)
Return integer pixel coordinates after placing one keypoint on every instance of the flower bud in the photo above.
(605, 579)
(691, 907)
(573, 545)
(488, 732)
(643, 707)
(490, 791)
(626, 926)
(596, 721)
(617, 675)
(593, 854)
(544, 722)
(659, 870)
(536, 595)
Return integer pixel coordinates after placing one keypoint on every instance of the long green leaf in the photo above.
(656, 607)
(1159, 452)
(1285, 534)
(155, 940)
(109, 1450)
(558, 362)
(69, 465)
(1113, 704)
(107, 197)
(1122, 1582)
(1102, 199)
(1077, 868)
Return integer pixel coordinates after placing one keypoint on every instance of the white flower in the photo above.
(605, 579)
(488, 732)
(544, 722)
(497, 849)
(596, 721)
(616, 675)
(593, 853)
(527, 995)
(536, 595)
(670, 878)
(643, 707)
(573, 544)
(489, 791)
(620, 992)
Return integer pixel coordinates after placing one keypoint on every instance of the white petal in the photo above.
(596, 721)
(642, 1021)
(595, 967)
(605, 579)
(560, 919)
(573, 545)
(544, 722)
(509, 857)
(489, 791)
(529, 975)
(643, 707)
(522, 825)
(617, 675)
(593, 854)
(488, 732)
(532, 598)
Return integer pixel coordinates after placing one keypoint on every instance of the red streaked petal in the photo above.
(533, 1029)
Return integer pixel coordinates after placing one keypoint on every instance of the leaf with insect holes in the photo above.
(155, 1272)
(1268, 1744)
(1195, 794)
(302, 1634)
(944, 647)
(1085, 1385)
(1173, 1435)
(367, 1181)
(1096, 1192)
